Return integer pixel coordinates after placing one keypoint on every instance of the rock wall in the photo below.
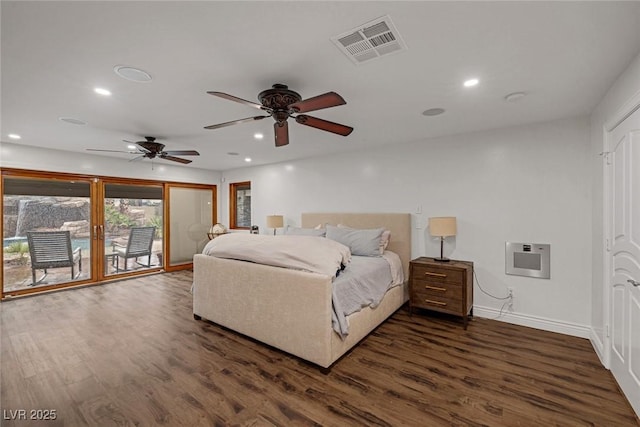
(49, 213)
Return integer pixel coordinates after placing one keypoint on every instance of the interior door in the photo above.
(624, 283)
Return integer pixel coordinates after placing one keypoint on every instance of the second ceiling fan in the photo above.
(281, 103)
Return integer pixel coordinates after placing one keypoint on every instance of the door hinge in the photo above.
(607, 329)
(607, 245)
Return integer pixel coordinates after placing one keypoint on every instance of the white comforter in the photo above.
(308, 253)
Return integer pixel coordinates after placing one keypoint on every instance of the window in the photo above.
(240, 205)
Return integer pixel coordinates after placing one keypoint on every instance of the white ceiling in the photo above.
(564, 55)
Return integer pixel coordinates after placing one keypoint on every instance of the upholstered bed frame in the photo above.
(290, 309)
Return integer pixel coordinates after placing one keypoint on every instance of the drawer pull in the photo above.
(435, 288)
(435, 302)
(435, 274)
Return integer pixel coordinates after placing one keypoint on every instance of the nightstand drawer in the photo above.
(435, 274)
(441, 290)
(452, 305)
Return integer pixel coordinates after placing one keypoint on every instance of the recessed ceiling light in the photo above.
(515, 96)
(258, 135)
(14, 136)
(133, 74)
(232, 153)
(72, 120)
(101, 91)
(247, 159)
(471, 82)
(433, 111)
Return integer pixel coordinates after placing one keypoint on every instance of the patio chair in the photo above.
(138, 245)
(52, 249)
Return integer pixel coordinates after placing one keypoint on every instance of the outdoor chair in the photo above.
(52, 249)
(138, 245)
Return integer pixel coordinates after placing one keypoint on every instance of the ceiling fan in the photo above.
(151, 149)
(281, 103)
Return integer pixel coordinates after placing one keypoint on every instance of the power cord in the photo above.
(508, 299)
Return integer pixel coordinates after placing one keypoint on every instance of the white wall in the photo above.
(627, 86)
(522, 184)
(27, 157)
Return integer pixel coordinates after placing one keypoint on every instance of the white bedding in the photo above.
(363, 284)
(307, 253)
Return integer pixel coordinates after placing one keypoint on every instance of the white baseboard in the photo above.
(552, 325)
(598, 346)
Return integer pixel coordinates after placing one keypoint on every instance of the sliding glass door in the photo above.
(63, 230)
(46, 232)
(132, 228)
(191, 214)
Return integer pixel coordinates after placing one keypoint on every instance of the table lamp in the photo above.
(275, 221)
(443, 226)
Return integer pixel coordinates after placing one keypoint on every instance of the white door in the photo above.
(624, 143)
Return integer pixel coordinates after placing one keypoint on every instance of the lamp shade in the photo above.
(275, 221)
(443, 226)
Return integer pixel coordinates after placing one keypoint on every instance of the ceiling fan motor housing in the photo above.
(278, 98)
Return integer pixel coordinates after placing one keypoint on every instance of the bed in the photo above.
(292, 309)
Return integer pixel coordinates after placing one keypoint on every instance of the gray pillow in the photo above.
(361, 242)
(297, 231)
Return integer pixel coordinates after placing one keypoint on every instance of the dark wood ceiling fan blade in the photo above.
(181, 153)
(326, 100)
(235, 122)
(236, 99)
(175, 159)
(326, 125)
(282, 133)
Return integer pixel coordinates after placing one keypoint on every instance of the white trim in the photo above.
(598, 346)
(551, 325)
(627, 109)
(605, 354)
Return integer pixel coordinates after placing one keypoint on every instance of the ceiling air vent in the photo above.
(371, 40)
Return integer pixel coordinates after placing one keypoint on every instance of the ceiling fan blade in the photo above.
(235, 122)
(175, 159)
(236, 99)
(135, 159)
(324, 125)
(112, 151)
(326, 100)
(181, 153)
(282, 133)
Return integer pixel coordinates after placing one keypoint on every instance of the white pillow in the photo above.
(299, 231)
(361, 242)
(384, 239)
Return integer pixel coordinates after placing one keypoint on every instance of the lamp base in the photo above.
(442, 259)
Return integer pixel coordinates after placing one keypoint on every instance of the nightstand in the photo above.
(446, 287)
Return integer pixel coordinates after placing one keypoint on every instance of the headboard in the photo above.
(398, 223)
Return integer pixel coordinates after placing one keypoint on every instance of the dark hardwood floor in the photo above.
(130, 353)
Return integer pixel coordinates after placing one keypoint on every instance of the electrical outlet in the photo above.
(510, 296)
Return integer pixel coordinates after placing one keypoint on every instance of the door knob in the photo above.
(633, 282)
